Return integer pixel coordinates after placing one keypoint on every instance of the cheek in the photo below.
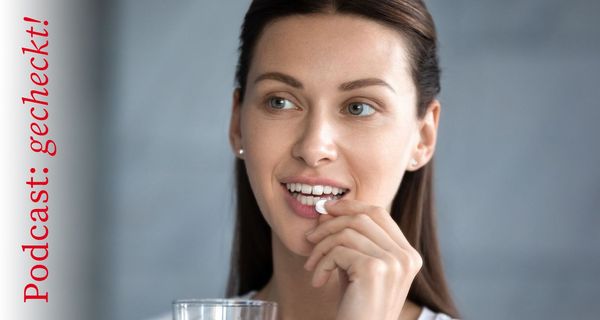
(376, 161)
(264, 149)
(264, 138)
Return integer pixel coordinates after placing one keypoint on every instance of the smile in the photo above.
(310, 194)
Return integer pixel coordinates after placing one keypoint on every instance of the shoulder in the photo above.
(427, 314)
(248, 295)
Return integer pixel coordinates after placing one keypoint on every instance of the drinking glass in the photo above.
(224, 309)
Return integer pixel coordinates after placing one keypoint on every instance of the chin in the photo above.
(297, 245)
(304, 249)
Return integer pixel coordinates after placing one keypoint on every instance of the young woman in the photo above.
(337, 100)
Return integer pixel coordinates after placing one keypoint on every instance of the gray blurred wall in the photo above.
(517, 182)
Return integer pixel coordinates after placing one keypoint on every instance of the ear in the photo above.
(235, 133)
(427, 136)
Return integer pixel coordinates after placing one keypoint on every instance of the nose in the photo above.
(316, 143)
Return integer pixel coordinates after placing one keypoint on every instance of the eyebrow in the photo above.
(346, 86)
(360, 83)
(281, 77)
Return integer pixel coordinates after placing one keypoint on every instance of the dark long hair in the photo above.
(413, 205)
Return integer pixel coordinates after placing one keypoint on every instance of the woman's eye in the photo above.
(280, 103)
(360, 109)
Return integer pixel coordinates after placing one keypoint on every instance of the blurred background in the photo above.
(518, 187)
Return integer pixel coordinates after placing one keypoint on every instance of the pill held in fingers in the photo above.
(320, 206)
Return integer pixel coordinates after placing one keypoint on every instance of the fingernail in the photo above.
(309, 232)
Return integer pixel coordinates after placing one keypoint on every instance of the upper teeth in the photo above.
(316, 190)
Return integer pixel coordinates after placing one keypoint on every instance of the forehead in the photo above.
(332, 48)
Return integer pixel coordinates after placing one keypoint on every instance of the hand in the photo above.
(377, 264)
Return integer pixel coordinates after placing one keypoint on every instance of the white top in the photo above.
(426, 314)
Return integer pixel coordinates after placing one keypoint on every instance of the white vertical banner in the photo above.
(48, 132)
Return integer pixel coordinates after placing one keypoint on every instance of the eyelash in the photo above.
(360, 103)
(269, 100)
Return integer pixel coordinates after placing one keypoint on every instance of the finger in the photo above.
(345, 207)
(338, 257)
(348, 238)
(357, 265)
(361, 223)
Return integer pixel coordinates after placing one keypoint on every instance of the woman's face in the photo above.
(329, 97)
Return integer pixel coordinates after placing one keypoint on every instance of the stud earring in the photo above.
(413, 162)
(241, 151)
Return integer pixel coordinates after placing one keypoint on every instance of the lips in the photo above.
(303, 192)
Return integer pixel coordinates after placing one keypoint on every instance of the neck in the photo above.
(290, 286)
